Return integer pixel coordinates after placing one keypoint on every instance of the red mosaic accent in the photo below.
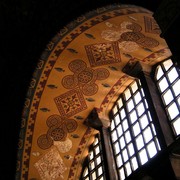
(70, 103)
(103, 53)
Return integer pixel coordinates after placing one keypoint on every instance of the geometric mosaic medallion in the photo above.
(103, 53)
(70, 103)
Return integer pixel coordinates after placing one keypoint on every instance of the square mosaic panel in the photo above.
(70, 103)
(51, 165)
(103, 53)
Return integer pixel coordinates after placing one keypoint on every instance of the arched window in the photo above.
(168, 82)
(132, 131)
(94, 163)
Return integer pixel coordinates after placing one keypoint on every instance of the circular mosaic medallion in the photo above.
(54, 120)
(90, 89)
(134, 27)
(58, 134)
(148, 42)
(77, 65)
(131, 36)
(69, 81)
(70, 125)
(85, 76)
(44, 142)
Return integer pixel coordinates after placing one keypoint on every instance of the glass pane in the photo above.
(91, 155)
(163, 84)
(134, 86)
(131, 149)
(147, 134)
(136, 129)
(85, 172)
(121, 173)
(153, 129)
(157, 144)
(134, 163)
(122, 142)
(143, 156)
(114, 136)
(100, 171)
(115, 110)
(92, 165)
(172, 74)
(87, 178)
(130, 105)
(142, 91)
(176, 125)
(96, 141)
(127, 137)
(167, 97)
(112, 125)
(159, 72)
(139, 142)
(125, 155)
(167, 64)
(128, 168)
(152, 149)
(98, 160)
(127, 94)
(117, 119)
(119, 160)
(117, 149)
(176, 88)
(133, 116)
(173, 110)
(119, 102)
(125, 125)
(97, 150)
(119, 130)
(137, 98)
(93, 175)
(144, 121)
(122, 113)
(178, 100)
(140, 109)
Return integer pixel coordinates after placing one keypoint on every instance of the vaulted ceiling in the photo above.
(81, 68)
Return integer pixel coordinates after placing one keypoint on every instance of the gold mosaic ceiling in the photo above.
(80, 69)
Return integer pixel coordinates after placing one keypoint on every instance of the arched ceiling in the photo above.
(80, 69)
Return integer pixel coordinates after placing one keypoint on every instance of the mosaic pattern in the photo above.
(70, 103)
(103, 53)
(151, 25)
(51, 166)
(84, 77)
(58, 129)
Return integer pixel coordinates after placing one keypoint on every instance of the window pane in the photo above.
(91, 155)
(167, 64)
(119, 130)
(117, 119)
(114, 136)
(117, 149)
(134, 87)
(140, 109)
(122, 142)
(172, 74)
(130, 105)
(133, 116)
(152, 149)
(173, 110)
(147, 134)
(100, 171)
(85, 172)
(125, 125)
(159, 72)
(176, 88)
(143, 156)
(127, 94)
(128, 168)
(93, 176)
(137, 98)
(131, 149)
(163, 84)
(127, 137)
(112, 125)
(119, 102)
(98, 160)
(125, 155)
(121, 173)
(167, 97)
(134, 163)
(92, 165)
(115, 110)
(136, 129)
(139, 142)
(144, 121)
(97, 150)
(122, 113)
(176, 126)
(119, 160)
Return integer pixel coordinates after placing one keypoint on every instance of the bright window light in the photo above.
(143, 156)
(152, 149)
(176, 125)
